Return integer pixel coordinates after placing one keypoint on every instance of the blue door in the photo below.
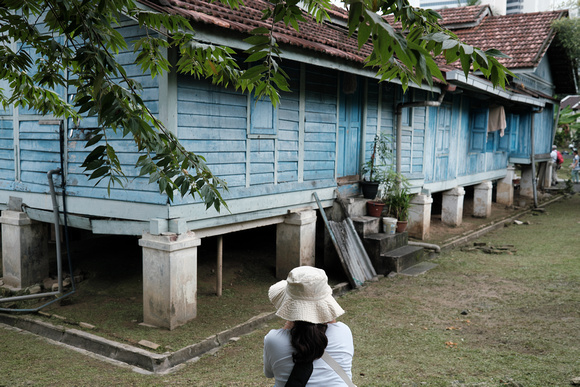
(349, 133)
(443, 142)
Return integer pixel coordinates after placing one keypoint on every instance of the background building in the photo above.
(499, 7)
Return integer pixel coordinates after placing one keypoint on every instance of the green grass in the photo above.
(520, 324)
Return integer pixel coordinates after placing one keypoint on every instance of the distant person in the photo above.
(554, 157)
(575, 166)
(296, 354)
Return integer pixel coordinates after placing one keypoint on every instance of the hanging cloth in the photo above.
(496, 119)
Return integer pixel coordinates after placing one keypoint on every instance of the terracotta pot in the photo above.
(401, 226)
(375, 209)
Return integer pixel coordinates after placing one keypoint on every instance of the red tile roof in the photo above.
(463, 15)
(328, 38)
(524, 37)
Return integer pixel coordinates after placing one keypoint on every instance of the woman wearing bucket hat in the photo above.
(298, 354)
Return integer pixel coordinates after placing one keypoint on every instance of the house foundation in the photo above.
(169, 278)
(505, 188)
(295, 242)
(527, 182)
(452, 207)
(420, 216)
(482, 200)
(24, 250)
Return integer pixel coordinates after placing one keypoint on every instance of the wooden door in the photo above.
(443, 142)
(349, 134)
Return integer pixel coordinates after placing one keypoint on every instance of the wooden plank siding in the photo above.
(543, 130)
(320, 126)
(7, 171)
(135, 188)
(272, 158)
(417, 138)
(474, 155)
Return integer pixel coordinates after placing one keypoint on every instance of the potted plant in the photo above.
(376, 170)
(398, 201)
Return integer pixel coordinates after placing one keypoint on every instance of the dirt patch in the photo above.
(440, 232)
(111, 295)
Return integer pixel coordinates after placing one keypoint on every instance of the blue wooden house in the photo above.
(275, 158)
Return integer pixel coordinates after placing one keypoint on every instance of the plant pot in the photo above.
(390, 225)
(375, 209)
(401, 226)
(369, 189)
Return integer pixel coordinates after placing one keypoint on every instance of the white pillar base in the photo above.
(452, 211)
(24, 250)
(295, 242)
(419, 225)
(526, 182)
(482, 200)
(169, 278)
(505, 188)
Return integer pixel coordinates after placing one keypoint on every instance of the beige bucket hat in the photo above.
(305, 296)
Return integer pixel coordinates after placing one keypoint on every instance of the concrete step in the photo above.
(419, 269)
(366, 225)
(355, 206)
(398, 260)
(381, 243)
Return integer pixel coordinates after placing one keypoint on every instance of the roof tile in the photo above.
(523, 37)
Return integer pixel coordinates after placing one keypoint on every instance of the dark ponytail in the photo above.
(308, 340)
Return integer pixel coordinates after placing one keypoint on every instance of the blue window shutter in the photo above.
(263, 117)
(504, 142)
(478, 130)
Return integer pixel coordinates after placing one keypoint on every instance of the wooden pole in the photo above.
(220, 248)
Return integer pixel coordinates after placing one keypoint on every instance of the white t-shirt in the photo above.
(554, 156)
(278, 362)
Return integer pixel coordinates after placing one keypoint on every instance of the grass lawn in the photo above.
(477, 319)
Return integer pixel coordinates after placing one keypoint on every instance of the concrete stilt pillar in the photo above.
(295, 242)
(551, 177)
(420, 216)
(526, 182)
(505, 188)
(482, 200)
(452, 211)
(24, 249)
(169, 278)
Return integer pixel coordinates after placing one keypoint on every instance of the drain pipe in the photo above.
(399, 143)
(429, 246)
(533, 152)
(399, 113)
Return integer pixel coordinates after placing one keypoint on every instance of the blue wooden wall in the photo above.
(136, 189)
(264, 150)
(7, 166)
(320, 124)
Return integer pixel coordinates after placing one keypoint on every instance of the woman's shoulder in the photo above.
(339, 327)
(277, 334)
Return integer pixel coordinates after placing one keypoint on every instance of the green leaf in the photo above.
(99, 172)
(93, 140)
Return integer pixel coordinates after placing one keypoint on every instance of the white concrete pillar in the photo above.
(549, 174)
(526, 182)
(24, 250)
(169, 278)
(420, 216)
(295, 242)
(452, 210)
(505, 188)
(482, 199)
